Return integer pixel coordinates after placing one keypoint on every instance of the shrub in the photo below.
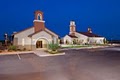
(0, 51)
(53, 46)
(14, 48)
(24, 49)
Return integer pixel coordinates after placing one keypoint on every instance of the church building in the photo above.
(76, 37)
(35, 37)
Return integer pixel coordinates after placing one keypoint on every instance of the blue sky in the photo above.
(103, 16)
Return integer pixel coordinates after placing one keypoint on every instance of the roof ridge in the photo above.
(89, 34)
(23, 30)
(40, 31)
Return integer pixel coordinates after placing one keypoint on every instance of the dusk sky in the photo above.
(103, 16)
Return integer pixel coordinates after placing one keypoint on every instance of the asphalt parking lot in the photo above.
(85, 64)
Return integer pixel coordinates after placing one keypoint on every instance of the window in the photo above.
(74, 41)
(23, 42)
(39, 17)
(67, 42)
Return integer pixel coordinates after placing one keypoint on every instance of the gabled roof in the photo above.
(51, 33)
(72, 36)
(46, 30)
(89, 34)
(23, 30)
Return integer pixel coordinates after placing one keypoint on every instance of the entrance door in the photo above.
(39, 44)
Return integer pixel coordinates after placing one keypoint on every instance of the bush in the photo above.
(14, 48)
(53, 46)
(0, 51)
(24, 49)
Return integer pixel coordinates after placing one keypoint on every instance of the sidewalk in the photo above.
(42, 53)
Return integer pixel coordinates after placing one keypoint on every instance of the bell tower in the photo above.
(72, 28)
(38, 21)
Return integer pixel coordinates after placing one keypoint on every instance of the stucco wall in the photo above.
(82, 38)
(23, 37)
(67, 38)
(97, 40)
(52, 33)
(23, 41)
(41, 35)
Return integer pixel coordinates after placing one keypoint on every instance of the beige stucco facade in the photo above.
(82, 37)
(89, 40)
(69, 40)
(96, 40)
(21, 40)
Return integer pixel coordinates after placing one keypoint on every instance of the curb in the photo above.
(44, 55)
(11, 53)
(47, 55)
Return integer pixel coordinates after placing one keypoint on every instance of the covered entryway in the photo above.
(42, 43)
(39, 44)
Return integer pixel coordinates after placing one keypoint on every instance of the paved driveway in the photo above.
(90, 64)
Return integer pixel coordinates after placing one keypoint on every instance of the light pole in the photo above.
(6, 37)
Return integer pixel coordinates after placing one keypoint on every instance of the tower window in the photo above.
(39, 17)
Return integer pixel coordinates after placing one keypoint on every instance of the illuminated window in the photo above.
(23, 42)
(39, 17)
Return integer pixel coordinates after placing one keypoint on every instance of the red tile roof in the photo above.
(89, 34)
(73, 36)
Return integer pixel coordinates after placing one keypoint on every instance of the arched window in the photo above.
(67, 42)
(39, 17)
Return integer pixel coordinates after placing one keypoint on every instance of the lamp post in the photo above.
(6, 37)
